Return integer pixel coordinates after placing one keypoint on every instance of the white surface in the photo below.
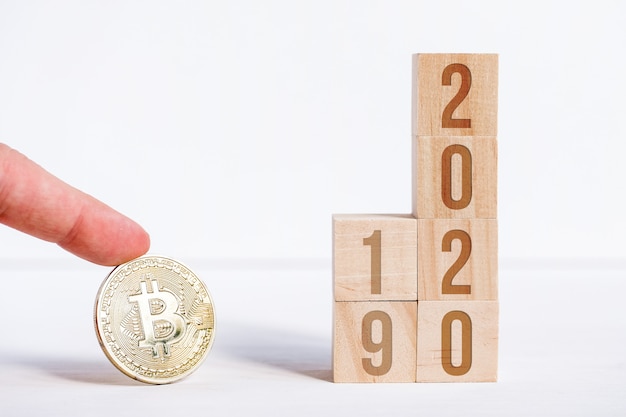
(562, 335)
(221, 124)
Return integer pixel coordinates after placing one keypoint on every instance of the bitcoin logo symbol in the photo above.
(162, 325)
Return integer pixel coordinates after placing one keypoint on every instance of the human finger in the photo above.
(36, 202)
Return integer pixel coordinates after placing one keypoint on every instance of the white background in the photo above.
(233, 130)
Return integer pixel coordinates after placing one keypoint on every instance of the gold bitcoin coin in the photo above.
(154, 319)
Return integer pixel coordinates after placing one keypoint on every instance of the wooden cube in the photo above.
(455, 177)
(374, 341)
(374, 257)
(457, 341)
(457, 259)
(455, 94)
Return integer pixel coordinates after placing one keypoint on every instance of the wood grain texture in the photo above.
(429, 159)
(444, 245)
(354, 253)
(457, 341)
(390, 326)
(431, 96)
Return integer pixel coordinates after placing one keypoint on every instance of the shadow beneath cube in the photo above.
(294, 352)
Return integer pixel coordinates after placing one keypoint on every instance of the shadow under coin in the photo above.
(91, 372)
(299, 353)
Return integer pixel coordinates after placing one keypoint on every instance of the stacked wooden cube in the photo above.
(416, 295)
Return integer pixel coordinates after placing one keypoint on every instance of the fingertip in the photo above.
(109, 240)
(131, 243)
(140, 247)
